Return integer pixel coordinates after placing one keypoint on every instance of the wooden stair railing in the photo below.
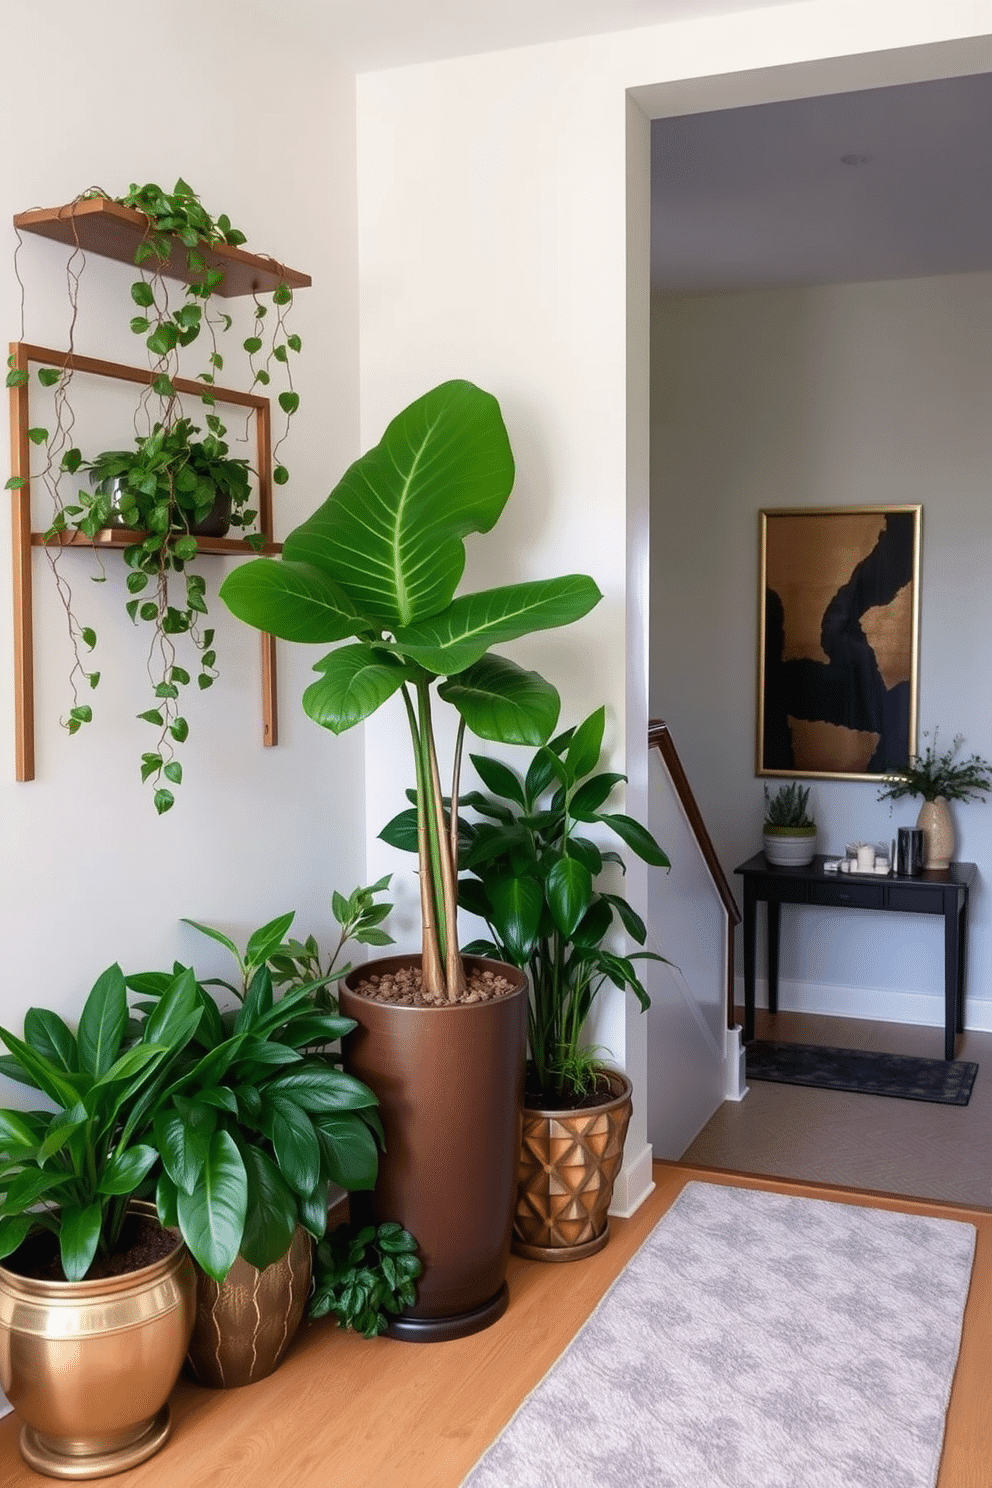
(660, 738)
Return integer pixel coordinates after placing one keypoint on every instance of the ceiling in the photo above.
(376, 34)
(887, 183)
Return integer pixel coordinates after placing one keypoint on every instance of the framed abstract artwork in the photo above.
(838, 640)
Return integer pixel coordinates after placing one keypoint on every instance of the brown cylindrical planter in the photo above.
(450, 1086)
(245, 1324)
(569, 1161)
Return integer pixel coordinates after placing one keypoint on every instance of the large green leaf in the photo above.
(212, 1217)
(293, 601)
(126, 1170)
(272, 1210)
(63, 1089)
(184, 1143)
(517, 904)
(355, 681)
(48, 1035)
(322, 1088)
(14, 1229)
(79, 1235)
(262, 942)
(499, 778)
(586, 745)
(351, 1158)
(449, 642)
(175, 1007)
(499, 700)
(391, 531)
(21, 1129)
(102, 1022)
(569, 889)
(294, 1142)
(637, 838)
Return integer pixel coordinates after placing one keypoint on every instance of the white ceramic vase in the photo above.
(789, 847)
(937, 825)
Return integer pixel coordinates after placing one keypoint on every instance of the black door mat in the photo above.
(946, 1082)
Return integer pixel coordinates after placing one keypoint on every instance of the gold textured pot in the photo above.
(937, 825)
(245, 1324)
(569, 1161)
(89, 1365)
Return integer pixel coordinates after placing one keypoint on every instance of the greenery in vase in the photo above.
(380, 562)
(73, 1170)
(940, 773)
(256, 1126)
(163, 483)
(788, 808)
(360, 1276)
(531, 874)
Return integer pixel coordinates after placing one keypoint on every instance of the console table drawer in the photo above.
(857, 895)
(916, 901)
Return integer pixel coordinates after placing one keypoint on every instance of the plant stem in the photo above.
(430, 967)
(445, 893)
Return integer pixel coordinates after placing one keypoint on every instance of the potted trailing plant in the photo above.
(789, 832)
(87, 1268)
(380, 562)
(939, 777)
(256, 1127)
(169, 490)
(532, 874)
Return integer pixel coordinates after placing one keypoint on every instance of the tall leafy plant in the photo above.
(379, 562)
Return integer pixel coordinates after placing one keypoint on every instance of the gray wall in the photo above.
(833, 395)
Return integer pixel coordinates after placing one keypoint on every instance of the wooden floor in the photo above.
(353, 1413)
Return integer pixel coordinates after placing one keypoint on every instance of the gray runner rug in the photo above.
(755, 1340)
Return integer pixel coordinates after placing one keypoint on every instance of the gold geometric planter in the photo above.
(245, 1324)
(569, 1161)
(89, 1365)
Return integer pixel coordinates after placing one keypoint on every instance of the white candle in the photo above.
(866, 857)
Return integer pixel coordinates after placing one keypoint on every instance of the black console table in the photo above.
(942, 891)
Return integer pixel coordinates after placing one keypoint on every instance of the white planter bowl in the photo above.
(790, 847)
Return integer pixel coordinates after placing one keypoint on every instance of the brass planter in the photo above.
(450, 1086)
(569, 1161)
(245, 1324)
(89, 1365)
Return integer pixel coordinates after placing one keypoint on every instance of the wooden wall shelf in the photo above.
(124, 537)
(105, 227)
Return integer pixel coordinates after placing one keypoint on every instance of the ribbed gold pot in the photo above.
(245, 1324)
(89, 1365)
(569, 1161)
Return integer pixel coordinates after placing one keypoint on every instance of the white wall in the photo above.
(493, 245)
(843, 394)
(108, 94)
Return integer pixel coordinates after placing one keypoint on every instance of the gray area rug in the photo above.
(755, 1340)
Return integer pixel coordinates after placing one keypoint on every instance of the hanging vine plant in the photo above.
(179, 481)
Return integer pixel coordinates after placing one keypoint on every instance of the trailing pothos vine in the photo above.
(179, 471)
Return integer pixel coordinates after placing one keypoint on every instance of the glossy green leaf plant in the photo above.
(379, 564)
(533, 874)
(72, 1170)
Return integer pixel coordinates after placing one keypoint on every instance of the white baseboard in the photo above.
(633, 1184)
(880, 1006)
(735, 1086)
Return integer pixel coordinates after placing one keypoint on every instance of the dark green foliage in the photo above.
(363, 1275)
(532, 874)
(932, 774)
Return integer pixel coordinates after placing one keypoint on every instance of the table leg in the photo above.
(953, 985)
(774, 920)
(748, 919)
(962, 919)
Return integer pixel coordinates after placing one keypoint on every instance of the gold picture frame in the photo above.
(838, 645)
